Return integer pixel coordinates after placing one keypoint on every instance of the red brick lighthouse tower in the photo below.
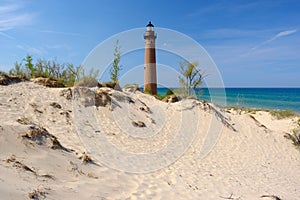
(150, 81)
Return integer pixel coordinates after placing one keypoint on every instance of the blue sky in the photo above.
(253, 43)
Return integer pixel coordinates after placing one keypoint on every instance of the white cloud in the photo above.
(226, 6)
(59, 46)
(279, 35)
(12, 16)
(6, 35)
(60, 32)
(232, 33)
(8, 8)
(31, 50)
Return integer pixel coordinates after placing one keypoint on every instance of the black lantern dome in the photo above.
(150, 26)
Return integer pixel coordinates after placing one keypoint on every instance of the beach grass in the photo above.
(278, 114)
(244, 109)
(3, 73)
(295, 137)
(281, 114)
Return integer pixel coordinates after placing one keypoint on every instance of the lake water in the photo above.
(267, 98)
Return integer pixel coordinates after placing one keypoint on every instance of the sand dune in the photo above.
(58, 143)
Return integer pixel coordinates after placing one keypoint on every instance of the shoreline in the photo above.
(255, 98)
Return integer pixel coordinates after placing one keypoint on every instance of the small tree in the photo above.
(191, 77)
(115, 69)
(30, 66)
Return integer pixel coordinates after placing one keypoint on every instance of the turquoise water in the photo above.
(267, 98)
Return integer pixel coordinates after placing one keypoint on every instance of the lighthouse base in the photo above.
(150, 88)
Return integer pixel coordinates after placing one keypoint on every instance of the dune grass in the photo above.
(246, 110)
(278, 114)
(281, 114)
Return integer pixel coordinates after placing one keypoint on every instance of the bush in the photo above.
(87, 82)
(169, 92)
(160, 97)
(147, 91)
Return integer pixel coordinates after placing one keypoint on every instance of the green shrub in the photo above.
(30, 67)
(169, 92)
(160, 97)
(116, 67)
(147, 91)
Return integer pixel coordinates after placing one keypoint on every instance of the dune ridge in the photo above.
(52, 147)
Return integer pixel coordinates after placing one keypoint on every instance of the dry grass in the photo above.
(294, 136)
(278, 114)
(281, 114)
(246, 110)
(87, 82)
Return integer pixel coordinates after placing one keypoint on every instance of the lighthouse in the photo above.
(150, 81)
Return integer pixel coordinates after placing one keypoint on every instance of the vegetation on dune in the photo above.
(191, 77)
(135, 86)
(116, 67)
(2, 73)
(296, 137)
(246, 110)
(159, 97)
(278, 114)
(148, 91)
(168, 93)
(88, 80)
(66, 74)
(281, 114)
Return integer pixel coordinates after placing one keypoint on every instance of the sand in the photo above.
(183, 151)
